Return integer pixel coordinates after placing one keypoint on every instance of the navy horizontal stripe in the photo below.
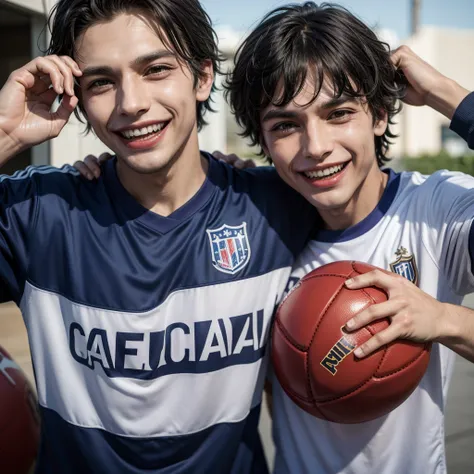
(231, 448)
(98, 247)
(247, 328)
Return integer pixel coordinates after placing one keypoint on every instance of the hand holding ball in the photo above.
(313, 358)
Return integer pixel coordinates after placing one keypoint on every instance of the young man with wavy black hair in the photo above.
(147, 294)
(317, 91)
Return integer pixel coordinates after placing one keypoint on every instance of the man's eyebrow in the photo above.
(148, 58)
(278, 113)
(337, 101)
(141, 60)
(97, 71)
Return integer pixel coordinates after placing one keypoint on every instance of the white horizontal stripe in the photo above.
(173, 404)
(176, 405)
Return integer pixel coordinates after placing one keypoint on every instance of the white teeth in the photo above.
(324, 173)
(138, 132)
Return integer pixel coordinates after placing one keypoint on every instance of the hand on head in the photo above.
(425, 84)
(26, 101)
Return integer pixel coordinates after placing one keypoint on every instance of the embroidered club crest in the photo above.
(230, 247)
(405, 265)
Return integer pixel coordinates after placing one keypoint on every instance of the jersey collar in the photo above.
(135, 211)
(370, 221)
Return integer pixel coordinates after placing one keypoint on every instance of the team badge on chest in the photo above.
(230, 248)
(405, 265)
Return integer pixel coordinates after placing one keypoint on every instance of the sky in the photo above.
(241, 15)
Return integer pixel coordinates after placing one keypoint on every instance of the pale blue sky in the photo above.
(392, 14)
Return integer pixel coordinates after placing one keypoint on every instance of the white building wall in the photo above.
(73, 145)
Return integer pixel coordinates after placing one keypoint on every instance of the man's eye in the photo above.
(283, 127)
(158, 69)
(99, 83)
(340, 114)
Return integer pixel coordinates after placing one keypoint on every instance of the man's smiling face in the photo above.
(324, 148)
(139, 96)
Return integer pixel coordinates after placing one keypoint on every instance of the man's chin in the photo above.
(143, 165)
(329, 203)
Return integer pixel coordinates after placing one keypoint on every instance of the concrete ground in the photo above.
(460, 407)
(460, 415)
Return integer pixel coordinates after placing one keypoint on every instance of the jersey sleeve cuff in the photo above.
(463, 120)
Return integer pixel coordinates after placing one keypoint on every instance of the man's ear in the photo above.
(381, 123)
(205, 81)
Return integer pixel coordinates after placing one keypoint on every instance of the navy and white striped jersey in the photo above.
(148, 333)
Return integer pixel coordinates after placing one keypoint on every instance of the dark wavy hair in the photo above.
(187, 28)
(326, 41)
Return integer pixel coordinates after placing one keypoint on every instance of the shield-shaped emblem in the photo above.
(230, 248)
(405, 265)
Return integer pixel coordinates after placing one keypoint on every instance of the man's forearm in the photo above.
(446, 97)
(458, 332)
